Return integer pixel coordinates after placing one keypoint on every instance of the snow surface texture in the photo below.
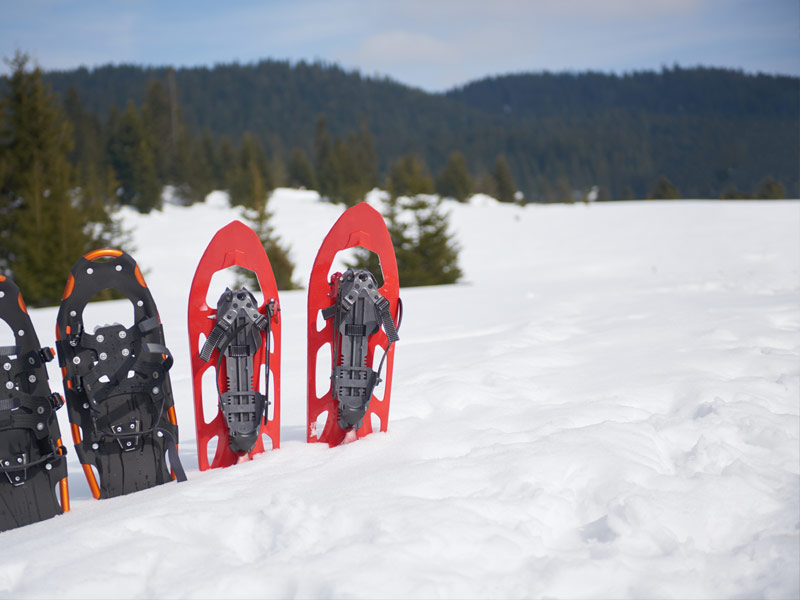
(606, 407)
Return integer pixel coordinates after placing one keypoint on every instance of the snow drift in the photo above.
(607, 406)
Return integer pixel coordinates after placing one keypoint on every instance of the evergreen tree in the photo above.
(664, 190)
(250, 181)
(199, 168)
(42, 226)
(769, 189)
(282, 265)
(134, 162)
(425, 249)
(454, 180)
(346, 168)
(160, 130)
(409, 176)
(301, 173)
(504, 182)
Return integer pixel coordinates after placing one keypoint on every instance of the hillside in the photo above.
(605, 408)
(707, 130)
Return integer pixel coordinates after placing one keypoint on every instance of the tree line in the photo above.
(712, 132)
(64, 172)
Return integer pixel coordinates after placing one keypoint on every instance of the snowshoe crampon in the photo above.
(359, 328)
(116, 381)
(32, 461)
(239, 339)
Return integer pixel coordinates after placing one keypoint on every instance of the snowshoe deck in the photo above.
(238, 341)
(116, 381)
(353, 329)
(32, 461)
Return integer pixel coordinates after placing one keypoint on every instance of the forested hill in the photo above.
(710, 132)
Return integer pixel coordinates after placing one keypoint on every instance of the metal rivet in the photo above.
(100, 337)
(103, 356)
(6, 463)
(72, 313)
(40, 426)
(17, 478)
(95, 446)
(21, 332)
(85, 405)
(7, 366)
(155, 390)
(122, 335)
(9, 385)
(155, 374)
(125, 352)
(40, 410)
(32, 378)
(90, 270)
(2, 294)
(140, 303)
(160, 434)
(133, 425)
(19, 460)
(76, 360)
(129, 444)
(118, 267)
(49, 467)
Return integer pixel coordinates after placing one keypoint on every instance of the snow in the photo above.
(607, 406)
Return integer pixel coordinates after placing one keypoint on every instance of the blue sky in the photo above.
(432, 44)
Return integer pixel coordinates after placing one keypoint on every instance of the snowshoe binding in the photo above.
(237, 336)
(32, 458)
(116, 382)
(358, 312)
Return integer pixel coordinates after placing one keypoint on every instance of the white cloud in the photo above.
(403, 47)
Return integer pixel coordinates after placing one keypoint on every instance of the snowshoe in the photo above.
(32, 458)
(239, 339)
(359, 322)
(116, 382)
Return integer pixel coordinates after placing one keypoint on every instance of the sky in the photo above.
(431, 44)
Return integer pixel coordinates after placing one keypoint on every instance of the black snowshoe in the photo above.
(358, 312)
(32, 461)
(237, 336)
(116, 382)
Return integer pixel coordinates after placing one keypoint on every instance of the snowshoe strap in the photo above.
(174, 458)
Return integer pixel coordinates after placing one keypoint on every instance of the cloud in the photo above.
(403, 47)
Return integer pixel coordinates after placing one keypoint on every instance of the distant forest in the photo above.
(701, 132)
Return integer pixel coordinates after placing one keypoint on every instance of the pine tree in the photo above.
(427, 253)
(134, 162)
(425, 249)
(769, 189)
(346, 168)
(409, 176)
(664, 190)
(249, 181)
(282, 265)
(504, 182)
(301, 173)
(454, 181)
(42, 226)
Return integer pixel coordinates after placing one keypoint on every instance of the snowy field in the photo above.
(606, 407)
